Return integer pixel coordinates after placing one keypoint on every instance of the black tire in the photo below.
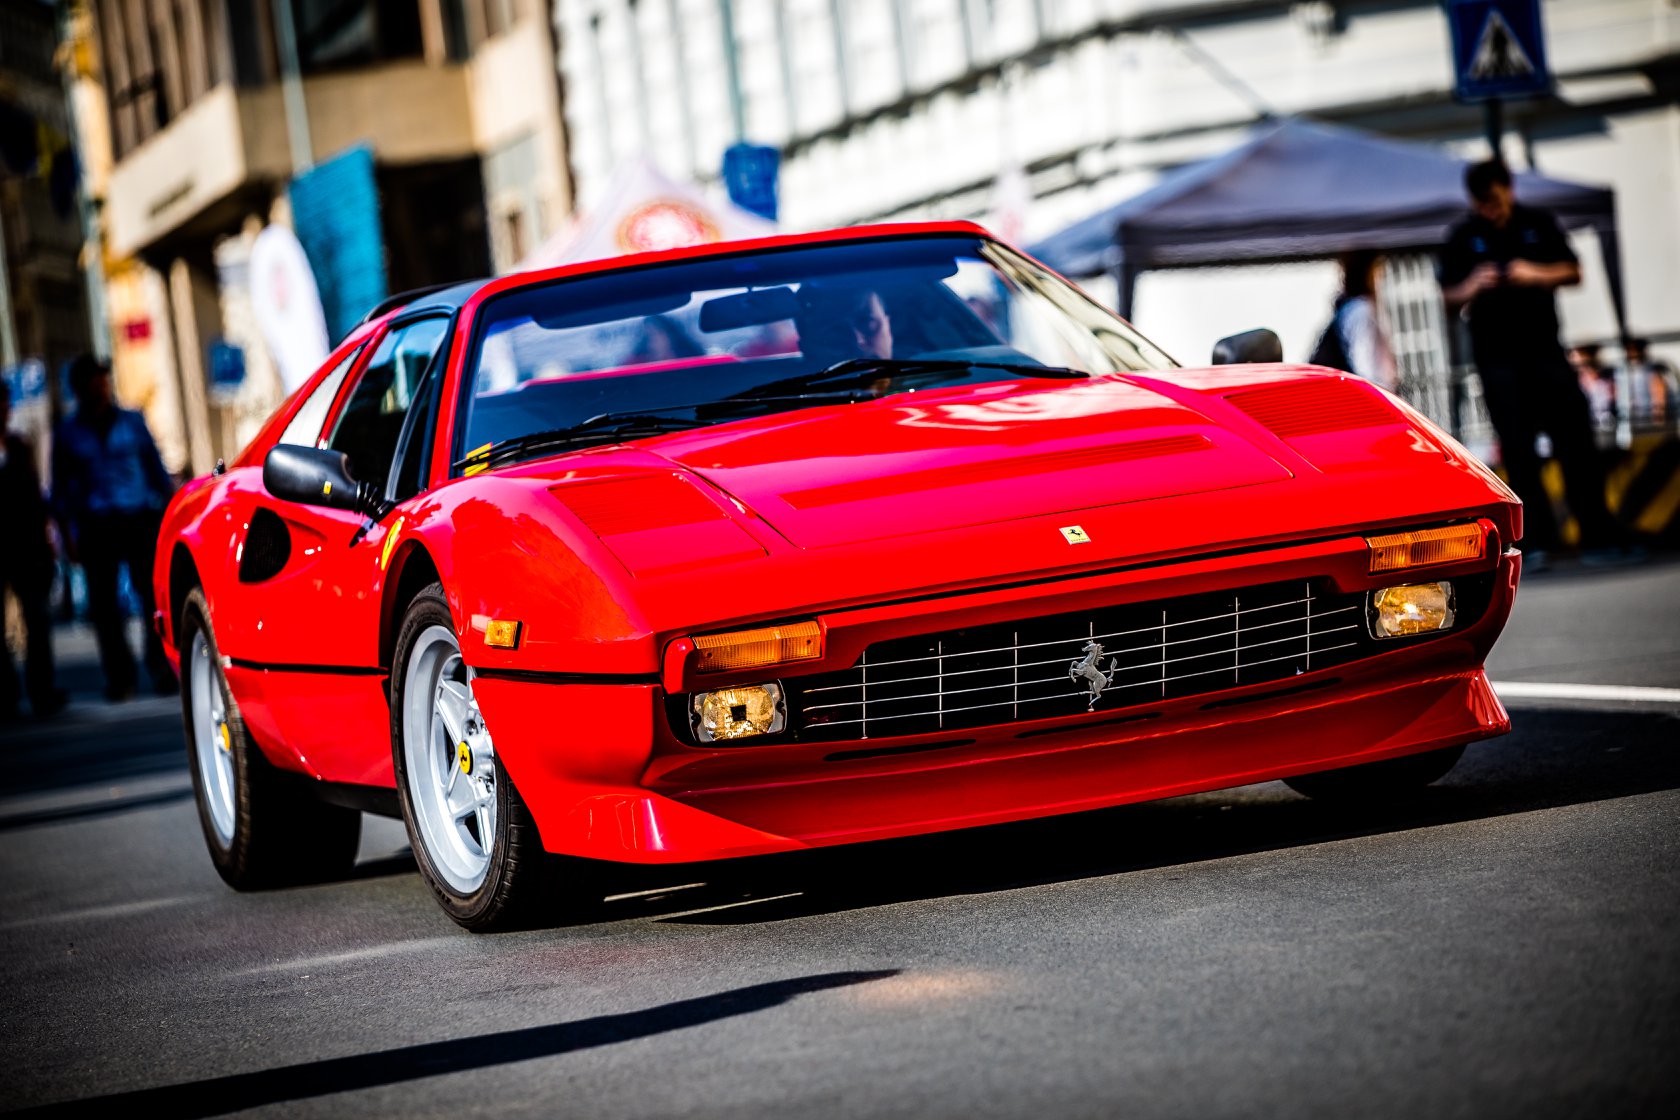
(281, 834)
(518, 889)
(1376, 782)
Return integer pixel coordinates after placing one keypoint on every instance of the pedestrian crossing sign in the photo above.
(1499, 48)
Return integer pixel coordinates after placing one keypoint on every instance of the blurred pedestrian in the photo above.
(26, 568)
(1650, 388)
(663, 339)
(1501, 266)
(1598, 383)
(109, 488)
(1355, 339)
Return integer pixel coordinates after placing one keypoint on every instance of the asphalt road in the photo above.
(1508, 946)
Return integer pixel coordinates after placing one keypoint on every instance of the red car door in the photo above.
(304, 612)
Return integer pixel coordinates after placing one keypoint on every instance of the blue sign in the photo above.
(1499, 48)
(227, 369)
(335, 210)
(749, 175)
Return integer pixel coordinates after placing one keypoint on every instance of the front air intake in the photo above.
(637, 502)
(1309, 408)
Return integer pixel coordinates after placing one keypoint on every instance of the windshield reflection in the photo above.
(639, 352)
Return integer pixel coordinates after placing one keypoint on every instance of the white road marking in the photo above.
(650, 893)
(97, 913)
(1545, 690)
(371, 952)
(729, 906)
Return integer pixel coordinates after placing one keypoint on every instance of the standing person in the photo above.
(1501, 265)
(26, 566)
(109, 490)
(1355, 339)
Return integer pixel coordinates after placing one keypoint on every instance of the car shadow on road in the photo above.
(1554, 758)
(91, 747)
(236, 1092)
(82, 810)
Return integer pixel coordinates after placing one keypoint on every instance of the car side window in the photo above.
(414, 448)
(304, 428)
(372, 420)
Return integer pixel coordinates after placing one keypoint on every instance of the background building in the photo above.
(456, 101)
(43, 309)
(902, 109)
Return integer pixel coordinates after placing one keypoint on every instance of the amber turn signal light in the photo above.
(1425, 547)
(502, 634)
(766, 645)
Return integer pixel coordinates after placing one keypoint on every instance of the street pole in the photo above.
(291, 89)
(732, 68)
(93, 239)
(8, 332)
(1493, 111)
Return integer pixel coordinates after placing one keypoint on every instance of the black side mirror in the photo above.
(1259, 345)
(314, 477)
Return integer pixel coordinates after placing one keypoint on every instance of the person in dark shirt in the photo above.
(1502, 265)
(109, 490)
(26, 567)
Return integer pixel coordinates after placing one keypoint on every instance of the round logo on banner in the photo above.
(664, 223)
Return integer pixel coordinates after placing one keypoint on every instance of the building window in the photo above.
(334, 34)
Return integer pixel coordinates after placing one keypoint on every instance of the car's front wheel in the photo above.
(262, 825)
(473, 837)
(1378, 781)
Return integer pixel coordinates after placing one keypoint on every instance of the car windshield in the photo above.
(618, 355)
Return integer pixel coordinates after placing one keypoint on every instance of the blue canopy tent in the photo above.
(1296, 190)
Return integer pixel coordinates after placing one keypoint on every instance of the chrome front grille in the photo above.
(1154, 651)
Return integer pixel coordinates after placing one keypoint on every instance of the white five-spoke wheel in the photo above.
(212, 739)
(450, 762)
(474, 839)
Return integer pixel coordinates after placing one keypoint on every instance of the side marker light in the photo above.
(502, 635)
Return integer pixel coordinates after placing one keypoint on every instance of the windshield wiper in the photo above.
(860, 372)
(607, 425)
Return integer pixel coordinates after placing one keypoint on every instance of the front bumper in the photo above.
(604, 777)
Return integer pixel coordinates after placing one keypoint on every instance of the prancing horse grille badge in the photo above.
(1089, 669)
(1074, 534)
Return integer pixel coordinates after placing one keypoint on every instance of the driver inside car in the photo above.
(838, 323)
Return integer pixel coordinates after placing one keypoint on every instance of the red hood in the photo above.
(948, 458)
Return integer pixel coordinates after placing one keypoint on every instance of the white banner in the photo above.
(288, 305)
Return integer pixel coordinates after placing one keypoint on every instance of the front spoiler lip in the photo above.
(641, 825)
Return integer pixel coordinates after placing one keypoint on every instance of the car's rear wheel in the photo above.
(473, 837)
(261, 824)
(1378, 781)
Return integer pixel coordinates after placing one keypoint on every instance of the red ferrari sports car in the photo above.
(802, 541)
